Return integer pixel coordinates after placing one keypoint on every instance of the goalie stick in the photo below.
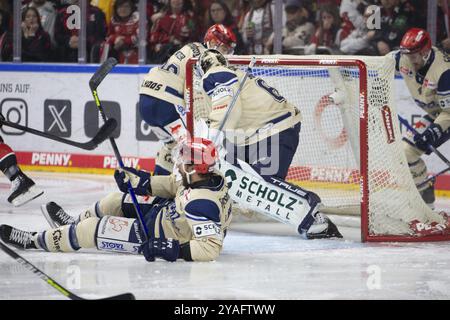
(94, 82)
(28, 265)
(233, 101)
(101, 135)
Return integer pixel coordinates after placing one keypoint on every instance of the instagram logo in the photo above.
(15, 111)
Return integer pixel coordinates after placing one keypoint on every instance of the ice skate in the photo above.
(23, 190)
(55, 215)
(428, 196)
(18, 238)
(323, 228)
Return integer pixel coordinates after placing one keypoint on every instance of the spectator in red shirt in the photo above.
(66, 35)
(36, 46)
(174, 28)
(122, 41)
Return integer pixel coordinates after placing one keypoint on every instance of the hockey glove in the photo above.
(140, 180)
(168, 249)
(429, 137)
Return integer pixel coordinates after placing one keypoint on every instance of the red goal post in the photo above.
(364, 86)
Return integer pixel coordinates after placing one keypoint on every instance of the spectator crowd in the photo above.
(309, 26)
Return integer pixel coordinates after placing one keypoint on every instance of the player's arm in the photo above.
(144, 184)
(220, 85)
(443, 99)
(441, 124)
(203, 216)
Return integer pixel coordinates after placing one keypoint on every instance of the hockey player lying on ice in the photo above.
(190, 224)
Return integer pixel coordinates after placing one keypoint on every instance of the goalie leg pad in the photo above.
(312, 199)
(119, 234)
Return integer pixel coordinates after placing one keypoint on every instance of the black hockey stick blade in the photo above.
(101, 73)
(105, 131)
(28, 265)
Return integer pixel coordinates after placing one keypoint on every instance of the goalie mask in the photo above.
(208, 59)
(197, 152)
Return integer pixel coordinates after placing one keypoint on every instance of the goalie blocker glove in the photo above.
(430, 136)
(168, 249)
(139, 180)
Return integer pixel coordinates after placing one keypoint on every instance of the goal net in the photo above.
(350, 151)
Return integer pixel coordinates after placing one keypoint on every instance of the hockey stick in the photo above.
(432, 179)
(433, 149)
(101, 135)
(94, 82)
(28, 265)
(233, 101)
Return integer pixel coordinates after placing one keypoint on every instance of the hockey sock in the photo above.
(8, 162)
(62, 239)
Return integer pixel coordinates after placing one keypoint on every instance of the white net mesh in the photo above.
(327, 160)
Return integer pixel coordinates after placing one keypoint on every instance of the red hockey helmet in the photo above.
(198, 152)
(222, 36)
(415, 40)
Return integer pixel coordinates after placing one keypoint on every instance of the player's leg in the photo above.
(165, 121)
(419, 172)
(107, 225)
(108, 233)
(23, 189)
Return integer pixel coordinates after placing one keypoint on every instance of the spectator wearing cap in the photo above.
(219, 13)
(298, 28)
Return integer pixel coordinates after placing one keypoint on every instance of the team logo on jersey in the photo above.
(118, 224)
(180, 56)
(406, 71)
(428, 84)
(230, 177)
(221, 92)
(205, 229)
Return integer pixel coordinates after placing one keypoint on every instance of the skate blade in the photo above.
(47, 217)
(26, 197)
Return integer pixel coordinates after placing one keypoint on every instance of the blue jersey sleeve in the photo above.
(443, 87)
(221, 78)
(202, 210)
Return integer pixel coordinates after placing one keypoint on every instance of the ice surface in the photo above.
(259, 260)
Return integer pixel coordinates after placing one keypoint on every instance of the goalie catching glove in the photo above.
(168, 249)
(139, 180)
